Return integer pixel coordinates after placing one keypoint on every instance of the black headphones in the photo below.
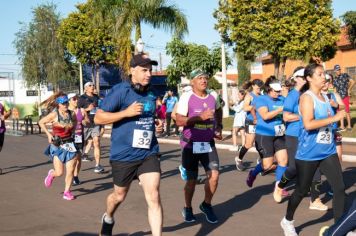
(139, 88)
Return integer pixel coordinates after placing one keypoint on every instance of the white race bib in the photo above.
(324, 135)
(142, 138)
(69, 147)
(252, 129)
(279, 130)
(78, 138)
(201, 147)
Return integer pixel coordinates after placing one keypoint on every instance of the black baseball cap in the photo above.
(141, 60)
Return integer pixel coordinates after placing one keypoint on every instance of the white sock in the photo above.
(108, 219)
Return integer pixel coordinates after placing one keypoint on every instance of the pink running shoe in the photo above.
(285, 193)
(67, 195)
(49, 179)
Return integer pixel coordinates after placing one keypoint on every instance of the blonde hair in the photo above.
(50, 103)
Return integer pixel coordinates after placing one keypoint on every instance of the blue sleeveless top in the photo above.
(253, 103)
(271, 127)
(318, 144)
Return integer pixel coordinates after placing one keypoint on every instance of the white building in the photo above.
(14, 92)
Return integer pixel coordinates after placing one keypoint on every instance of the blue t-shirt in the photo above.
(291, 105)
(170, 102)
(272, 126)
(132, 138)
(253, 103)
(317, 144)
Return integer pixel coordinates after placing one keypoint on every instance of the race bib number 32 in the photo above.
(142, 138)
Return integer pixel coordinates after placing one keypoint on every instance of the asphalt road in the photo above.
(28, 208)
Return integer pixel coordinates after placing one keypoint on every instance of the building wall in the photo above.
(345, 58)
(24, 103)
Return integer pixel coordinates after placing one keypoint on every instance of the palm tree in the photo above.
(128, 15)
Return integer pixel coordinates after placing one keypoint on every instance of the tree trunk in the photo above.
(277, 62)
(137, 35)
(243, 68)
(97, 78)
(283, 67)
(93, 73)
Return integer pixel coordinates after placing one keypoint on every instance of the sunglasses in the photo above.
(64, 103)
(90, 85)
(74, 98)
(276, 91)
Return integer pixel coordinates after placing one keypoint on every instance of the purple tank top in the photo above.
(80, 118)
(201, 131)
(2, 125)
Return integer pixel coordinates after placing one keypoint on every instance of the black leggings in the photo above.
(291, 171)
(331, 168)
(168, 124)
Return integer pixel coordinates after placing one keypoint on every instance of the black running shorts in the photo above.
(124, 172)
(269, 145)
(190, 161)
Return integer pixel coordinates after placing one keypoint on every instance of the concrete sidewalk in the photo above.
(349, 153)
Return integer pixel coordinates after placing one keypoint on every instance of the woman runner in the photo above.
(250, 122)
(270, 139)
(316, 147)
(61, 150)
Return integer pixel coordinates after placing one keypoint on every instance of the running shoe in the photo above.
(250, 179)
(208, 211)
(98, 169)
(285, 193)
(183, 173)
(323, 231)
(76, 180)
(318, 205)
(239, 164)
(106, 228)
(288, 227)
(86, 158)
(49, 179)
(188, 215)
(67, 195)
(277, 193)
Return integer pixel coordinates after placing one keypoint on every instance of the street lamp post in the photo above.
(140, 46)
(224, 81)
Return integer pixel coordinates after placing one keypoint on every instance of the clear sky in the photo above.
(198, 12)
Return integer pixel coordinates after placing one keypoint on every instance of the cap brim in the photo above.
(276, 87)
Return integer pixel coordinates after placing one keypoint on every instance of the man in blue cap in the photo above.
(343, 84)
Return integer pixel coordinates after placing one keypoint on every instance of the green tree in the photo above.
(42, 56)
(189, 56)
(350, 20)
(243, 68)
(127, 17)
(87, 39)
(294, 29)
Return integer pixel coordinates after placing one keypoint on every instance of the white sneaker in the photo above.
(288, 227)
(234, 149)
(318, 205)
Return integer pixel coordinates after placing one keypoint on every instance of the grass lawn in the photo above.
(228, 122)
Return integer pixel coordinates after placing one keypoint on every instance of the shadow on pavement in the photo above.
(226, 210)
(20, 168)
(92, 234)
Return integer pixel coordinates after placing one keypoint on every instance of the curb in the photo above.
(345, 158)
